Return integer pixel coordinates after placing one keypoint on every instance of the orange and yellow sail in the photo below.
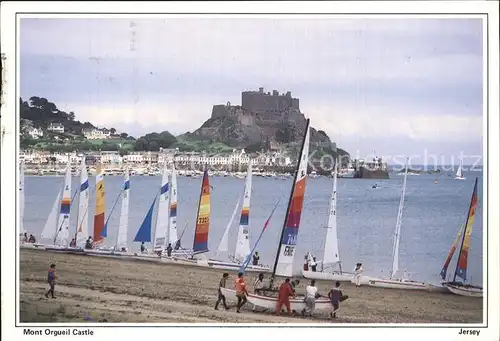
(100, 206)
(461, 270)
(451, 253)
(200, 243)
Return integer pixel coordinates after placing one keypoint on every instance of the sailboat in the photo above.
(100, 207)
(57, 226)
(392, 282)
(161, 223)
(200, 242)
(119, 247)
(21, 206)
(459, 175)
(331, 252)
(173, 239)
(283, 265)
(242, 249)
(82, 222)
(461, 288)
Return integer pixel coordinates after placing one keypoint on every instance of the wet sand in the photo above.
(97, 289)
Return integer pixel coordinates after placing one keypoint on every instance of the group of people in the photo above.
(286, 291)
(310, 263)
(26, 239)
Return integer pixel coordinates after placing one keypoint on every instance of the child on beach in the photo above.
(51, 279)
(221, 297)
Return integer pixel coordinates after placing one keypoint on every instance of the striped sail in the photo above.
(200, 243)
(397, 233)
(51, 226)
(331, 253)
(64, 211)
(450, 254)
(284, 266)
(144, 232)
(121, 236)
(82, 228)
(461, 270)
(173, 209)
(100, 207)
(160, 241)
(21, 198)
(243, 242)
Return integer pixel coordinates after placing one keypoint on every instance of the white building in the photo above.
(56, 127)
(134, 157)
(96, 134)
(35, 133)
(111, 157)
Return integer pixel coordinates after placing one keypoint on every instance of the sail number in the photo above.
(203, 220)
(292, 239)
(288, 251)
(245, 231)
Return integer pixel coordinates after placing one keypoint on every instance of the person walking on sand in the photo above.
(358, 271)
(335, 295)
(221, 297)
(310, 300)
(51, 279)
(241, 291)
(284, 294)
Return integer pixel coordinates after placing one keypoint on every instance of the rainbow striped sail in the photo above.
(451, 253)
(100, 207)
(64, 211)
(461, 270)
(243, 242)
(200, 243)
(286, 251)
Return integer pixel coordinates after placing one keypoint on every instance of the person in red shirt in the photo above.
(284, 294)
(241, 291)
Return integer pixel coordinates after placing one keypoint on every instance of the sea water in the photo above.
(366, 217)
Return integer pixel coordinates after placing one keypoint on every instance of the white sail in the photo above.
(64, 213)
(291, 227)
(397, 234)
(162, 217)
(243, 241)
(331, 254)
(224, 242)
(459, 174)
(121, 238)
(49, 230)
(21, 198)
(82, 227)
(173, 209)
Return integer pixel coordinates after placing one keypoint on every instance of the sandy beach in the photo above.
(97, 289)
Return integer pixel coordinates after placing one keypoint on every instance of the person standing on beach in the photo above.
(143, 248)
(241, 291)
(284, 294)
(310, 300)
(258, 287)
(306, 263)
(358, 271)
(51, 279)
(169, 250)
(255, 258)
(313, 264)
(221, 297)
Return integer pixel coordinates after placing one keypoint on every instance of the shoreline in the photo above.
(123, 290)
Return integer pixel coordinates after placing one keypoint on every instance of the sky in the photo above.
(408, 86)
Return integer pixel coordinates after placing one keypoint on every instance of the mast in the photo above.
(290, 201)
(474, 192)
(397, 234)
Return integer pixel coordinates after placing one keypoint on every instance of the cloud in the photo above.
(420, 79)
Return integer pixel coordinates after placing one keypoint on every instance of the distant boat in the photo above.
(461, 288)
(459, 175)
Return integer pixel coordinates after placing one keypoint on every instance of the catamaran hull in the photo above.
(459, 178)
(236, 266)
(398, 284)
(32, 246)
(326, 276)
(63, 249)
(469, 291)
(266, 302)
